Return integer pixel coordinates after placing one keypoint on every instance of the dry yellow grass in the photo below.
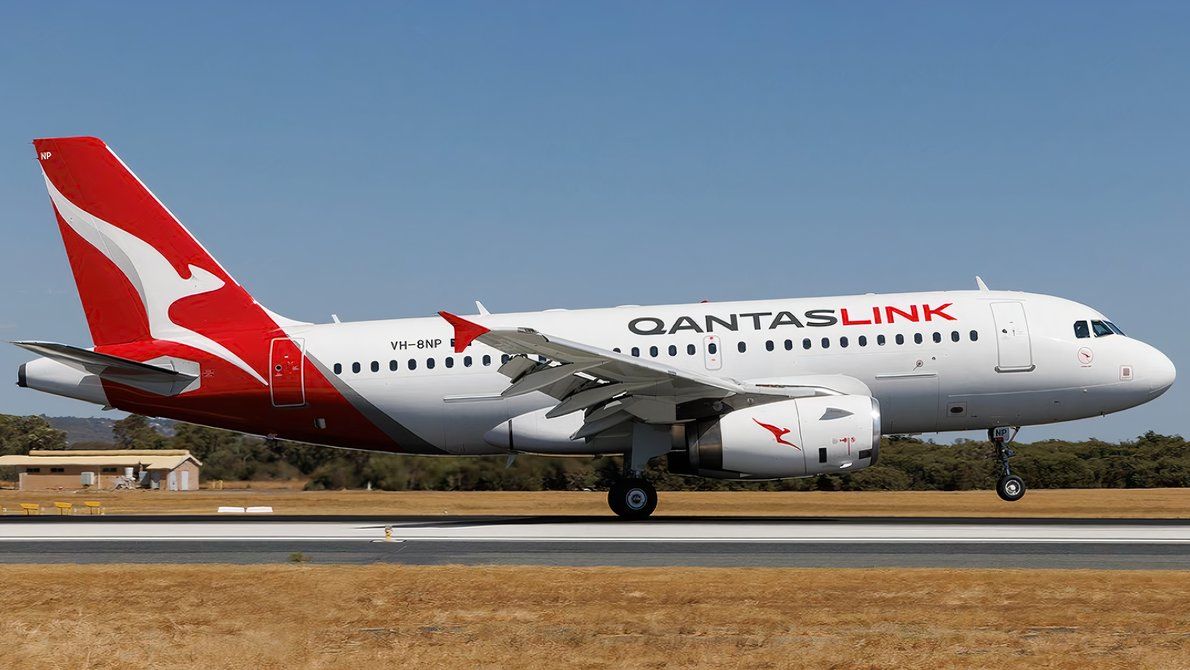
(265, 617)
(1123, 503)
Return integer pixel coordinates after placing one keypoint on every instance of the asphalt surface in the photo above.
(601, 541)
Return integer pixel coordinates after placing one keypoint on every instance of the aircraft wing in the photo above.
(612, 388)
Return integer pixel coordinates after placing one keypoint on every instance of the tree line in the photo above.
(906, 463)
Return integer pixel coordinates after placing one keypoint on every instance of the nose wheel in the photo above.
(632, 498)
(1009, 487)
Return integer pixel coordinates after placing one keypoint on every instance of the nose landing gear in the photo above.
(1009, 487)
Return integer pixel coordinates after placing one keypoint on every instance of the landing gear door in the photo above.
(712, 352)
(287, 379)
(1015, 352)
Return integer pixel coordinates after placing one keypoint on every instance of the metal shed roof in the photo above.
(151, 459)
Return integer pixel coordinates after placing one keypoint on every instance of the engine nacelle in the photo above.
(799, 437)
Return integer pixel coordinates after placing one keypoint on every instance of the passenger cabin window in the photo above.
(742, 346)
(826, 343)
(412, 364)
(806, 343)
(768, 345)
(636, 351)
(355, 368)
(375, 366)
(788, 345)
(392, 366)
(466, 361)
(954, 336)
(673, 350)
(338, 368)
(974, 335)
(880, 340)
(653, 352)
(487, 360)
(449, 361)
(430, 363)
(917, 338)
(843, 342)
(690, 349)
(900, 338)
(712, 348)
(937, 338)
(863, 340)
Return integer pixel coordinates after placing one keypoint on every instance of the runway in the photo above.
(590, 541)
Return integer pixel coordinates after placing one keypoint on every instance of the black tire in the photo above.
(1010, 488)
(632, 498)
(613, 499)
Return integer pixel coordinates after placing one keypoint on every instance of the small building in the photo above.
(106, 469)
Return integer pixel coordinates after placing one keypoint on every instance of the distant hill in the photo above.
(93, 429)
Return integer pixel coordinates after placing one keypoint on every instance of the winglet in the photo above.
(465, 331)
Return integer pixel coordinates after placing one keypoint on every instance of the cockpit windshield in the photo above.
(1104, 328)
(1084, 329)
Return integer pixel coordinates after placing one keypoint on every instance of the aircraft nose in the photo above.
(1161, 373)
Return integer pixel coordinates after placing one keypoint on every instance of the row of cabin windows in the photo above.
(430, 363)
(672, 350)
(807, 343)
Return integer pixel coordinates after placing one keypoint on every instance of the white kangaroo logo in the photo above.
(151, 273)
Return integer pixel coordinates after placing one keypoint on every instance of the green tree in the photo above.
(134, 432)
(19, 434)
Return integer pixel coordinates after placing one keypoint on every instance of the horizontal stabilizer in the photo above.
(145, 376)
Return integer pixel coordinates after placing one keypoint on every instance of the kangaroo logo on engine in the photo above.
(778, 433)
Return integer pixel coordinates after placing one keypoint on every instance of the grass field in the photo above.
(309, 616)
(1165, 503)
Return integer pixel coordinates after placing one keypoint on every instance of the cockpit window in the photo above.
(1102, 329)
(1114, 327)
(1081, 329)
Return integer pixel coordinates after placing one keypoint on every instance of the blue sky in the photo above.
(383, 160)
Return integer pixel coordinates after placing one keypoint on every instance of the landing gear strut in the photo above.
(1009, 487)
(633, 497)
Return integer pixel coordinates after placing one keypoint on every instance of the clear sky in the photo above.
(393, 159)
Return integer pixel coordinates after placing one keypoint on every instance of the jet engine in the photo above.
(799, 437)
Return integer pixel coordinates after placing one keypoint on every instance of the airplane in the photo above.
(755, 390)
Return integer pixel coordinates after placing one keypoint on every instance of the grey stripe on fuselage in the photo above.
(406, 440)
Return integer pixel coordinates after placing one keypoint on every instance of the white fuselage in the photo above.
(936, 361)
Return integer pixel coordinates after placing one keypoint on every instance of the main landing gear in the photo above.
(632, 498)
(1009, 487)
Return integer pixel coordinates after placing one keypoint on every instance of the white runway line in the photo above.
(709, 531)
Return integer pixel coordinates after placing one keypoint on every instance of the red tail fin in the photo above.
(140, 274)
